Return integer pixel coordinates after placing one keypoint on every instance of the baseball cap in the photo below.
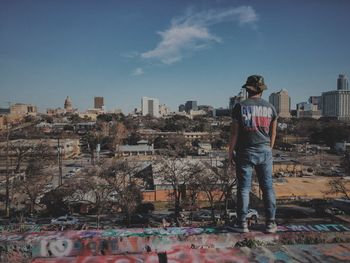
(255, 83)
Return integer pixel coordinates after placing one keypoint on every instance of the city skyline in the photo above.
(168, 50)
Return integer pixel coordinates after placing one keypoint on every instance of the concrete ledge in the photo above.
(143, 243)
(325, 253)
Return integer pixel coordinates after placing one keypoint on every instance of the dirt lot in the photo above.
(305, 187)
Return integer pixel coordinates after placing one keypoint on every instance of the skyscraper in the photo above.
(191, 105)
(150, 106)
(281, 101)
(336, 103)
(181, 108)
(316, 100)
(98, 103)
(342, 82)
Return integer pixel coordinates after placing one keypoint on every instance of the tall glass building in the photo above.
(342, 82)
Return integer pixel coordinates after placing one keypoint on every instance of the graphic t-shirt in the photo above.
(254, 116)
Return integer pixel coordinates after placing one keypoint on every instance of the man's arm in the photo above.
(273, 128)
(233, 140)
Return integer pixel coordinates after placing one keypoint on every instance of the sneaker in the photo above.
(271, 227)
(241, 227)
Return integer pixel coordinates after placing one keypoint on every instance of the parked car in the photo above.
(333, 211)
(70, 174)
(65, 220)
(205, 215)
(252, 214)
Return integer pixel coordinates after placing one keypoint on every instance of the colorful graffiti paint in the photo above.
(113, 242)
(297, 253)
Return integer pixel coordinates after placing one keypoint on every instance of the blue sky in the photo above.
(171, 50)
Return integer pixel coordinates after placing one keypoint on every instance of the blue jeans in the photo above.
(260, 159)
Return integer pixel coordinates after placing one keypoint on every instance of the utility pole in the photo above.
(7, 205)
(7, 170)
(59, 162)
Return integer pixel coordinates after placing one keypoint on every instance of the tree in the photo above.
(108, 117)
(20, 149)
(178, 172)
(339, 186)
(133, 138)
(226, 175)
(93, 190)
(160, 143)
(36, 177)
(108, 184)
(210, 183)
(89, 143)
(119, 133)
(56, 200)
(123, 185)
(34, 183)
(346, 163)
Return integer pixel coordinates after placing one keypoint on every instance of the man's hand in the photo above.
(232, 142)
(231, 156)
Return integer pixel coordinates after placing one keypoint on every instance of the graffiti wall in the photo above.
(173, 241)
(299, 253)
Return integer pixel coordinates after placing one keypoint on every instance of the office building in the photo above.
(281, 101)
(316, 100)
(191, 105)
(181, 107)
(20, 109)
(99, 103)
(336, 103)
(150, 106)
(164, 110)
(4, 111)
(308, 110)
(342, 82)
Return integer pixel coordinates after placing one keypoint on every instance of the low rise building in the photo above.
(308, 110)
(2, 122)
(21, 109)
(68, 147)
(151, 135)
(142, 148)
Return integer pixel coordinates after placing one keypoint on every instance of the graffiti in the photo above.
(173, 241)
(20, 228)
(298, 253)
(314, 228)
(160, 232)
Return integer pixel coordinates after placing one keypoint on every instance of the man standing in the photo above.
(253, 134)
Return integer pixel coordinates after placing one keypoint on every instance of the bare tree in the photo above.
(209, 183)
(36, 177)
(346, 163)
(109, 184)
(178, 173)
(339, 186)
(93, 190)
(226, 175)
(118, 132)
(35, 180)
(124, 186)
(20, 150)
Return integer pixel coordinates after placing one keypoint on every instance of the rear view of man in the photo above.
(253, 134)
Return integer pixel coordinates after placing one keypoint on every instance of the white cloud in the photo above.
(130, 54)
(138, 72)
(191, 32)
